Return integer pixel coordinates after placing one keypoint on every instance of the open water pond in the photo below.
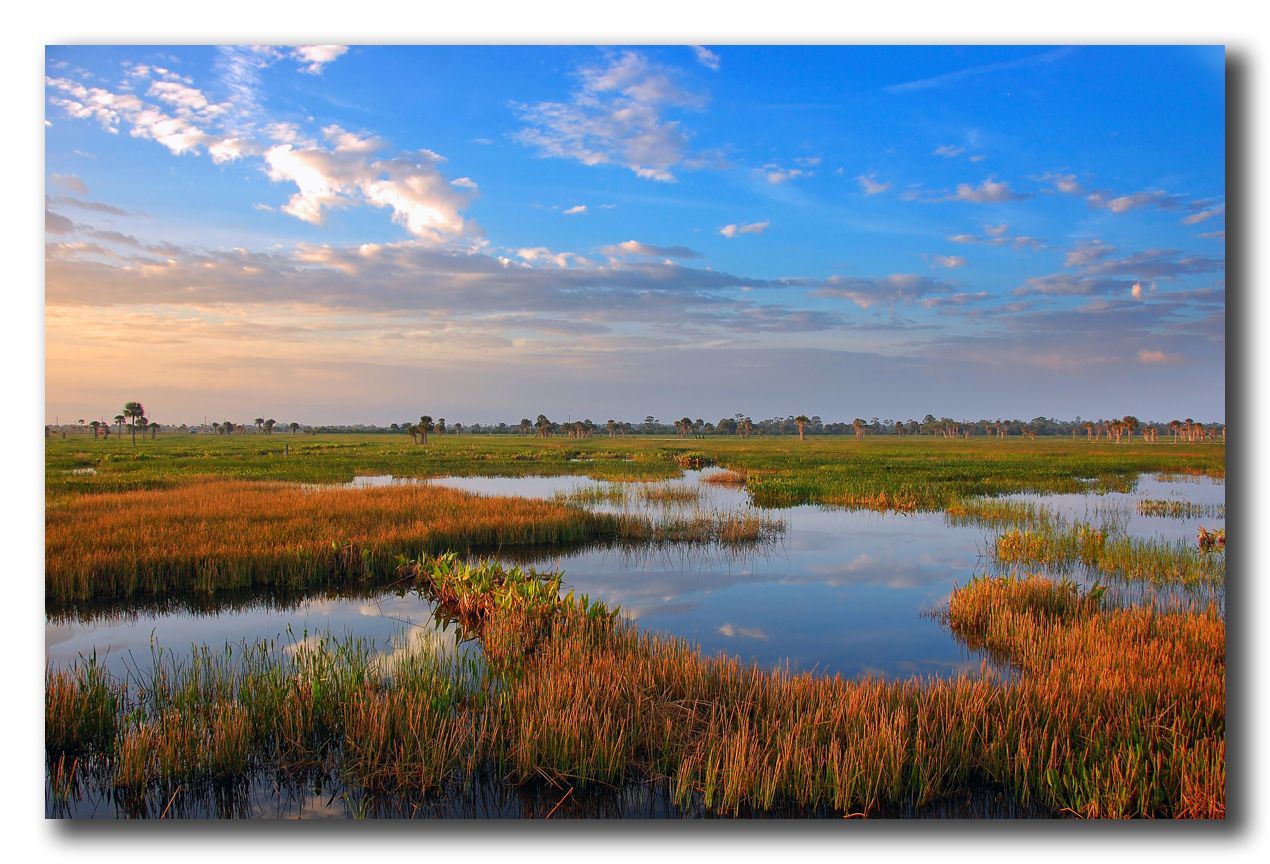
(838, 591)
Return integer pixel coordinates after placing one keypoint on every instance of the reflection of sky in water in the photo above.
(1094, 507)
(842, 591)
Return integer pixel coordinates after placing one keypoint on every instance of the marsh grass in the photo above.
(1115, 713)
(1062, 547)
(1174, 509)
(992, 511)
(881, 473)
(220, 535)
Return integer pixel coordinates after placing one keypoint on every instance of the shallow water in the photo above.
(849, 592)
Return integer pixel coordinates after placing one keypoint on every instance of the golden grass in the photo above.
(225, 534)
(1114, 713)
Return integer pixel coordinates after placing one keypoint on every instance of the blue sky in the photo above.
(333, 234)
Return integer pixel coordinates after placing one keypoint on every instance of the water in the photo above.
(848, 592)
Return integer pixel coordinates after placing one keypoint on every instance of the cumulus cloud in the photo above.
(419, 197)
(634, 247)
(1068, 184)
(346, 171)
(776, 174)
(948, 261)
(731, 231)
(869, 185)
(575, 210)
(313, 58)
(990, 191)
(615, 117)
(885, 290)
(706, 57)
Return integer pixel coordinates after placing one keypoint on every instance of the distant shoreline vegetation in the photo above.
(1118, 430)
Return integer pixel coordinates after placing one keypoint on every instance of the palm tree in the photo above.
(543, 425)
(269, 424)
(801, 422)
(260, 421)
(1131, 424)
(119, 418)
(95, 425)
(612, 427)
(525, 425)
(294, 426)
(133, 411)
(858, 425)
(154, 430)
(425, 426)
(143, 424)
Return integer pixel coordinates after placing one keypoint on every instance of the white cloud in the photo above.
(575, 210)
(948, 261)
(1065, 183)
(706, 57)
(989, 191)
(313, 58)
(614, 118)
(731, 231)
(775, 174)
(948, 151)
(348, 173)
(1204, 215)
(870, 186)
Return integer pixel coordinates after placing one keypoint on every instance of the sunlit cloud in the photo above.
(733, 230)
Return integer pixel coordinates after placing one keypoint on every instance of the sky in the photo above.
(345, 234)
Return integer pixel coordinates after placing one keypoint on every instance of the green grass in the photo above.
(883, 472)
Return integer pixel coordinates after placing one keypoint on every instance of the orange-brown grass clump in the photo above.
(1114, 713)
(1117, 712)
(226, 534)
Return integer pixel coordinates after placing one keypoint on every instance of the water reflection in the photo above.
(843, 591)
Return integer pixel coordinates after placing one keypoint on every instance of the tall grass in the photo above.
(1062, 547)
(217, 536)
(1114, 713)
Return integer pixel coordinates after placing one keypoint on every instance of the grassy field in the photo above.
(883, 472)
(1115, 712)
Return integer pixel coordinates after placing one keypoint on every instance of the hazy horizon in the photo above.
(334, 235)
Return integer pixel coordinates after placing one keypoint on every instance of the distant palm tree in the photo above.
(154, 430)
(96, 426)
(543, 425)
(440, 425)
(801, 422)
(525, 425)
(1131, 424)
(260, 421)
(269, 424)
(119, 418)
(425, 426)
(294, 426)
(134, 412)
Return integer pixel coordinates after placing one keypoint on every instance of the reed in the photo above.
(725, 477)
(992, 511)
